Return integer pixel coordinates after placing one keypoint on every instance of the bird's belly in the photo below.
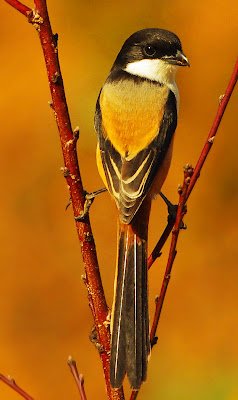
(132, 113)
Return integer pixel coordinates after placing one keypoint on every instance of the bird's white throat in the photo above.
(155, 70)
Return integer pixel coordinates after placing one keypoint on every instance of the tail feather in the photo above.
(130, 328)
(118, 342)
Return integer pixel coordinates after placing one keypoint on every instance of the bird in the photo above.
(135, 120)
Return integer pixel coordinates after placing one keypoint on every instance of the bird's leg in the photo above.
(89, 198)
(172, 211)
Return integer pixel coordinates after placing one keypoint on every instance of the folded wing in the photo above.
(129, 178)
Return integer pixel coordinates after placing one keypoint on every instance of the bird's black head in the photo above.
(151, 44)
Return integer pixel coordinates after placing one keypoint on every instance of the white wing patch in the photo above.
(138, 171)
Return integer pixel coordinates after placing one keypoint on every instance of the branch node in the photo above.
(188, 169)
(69, 143)
(8, 380)
(81, 378)
(55, 78)
(65, 171)
(156, 299)
(88, 237)
(187, 180)
(55, 41)
(76, 133)
(84, 279)
(180, 189)
(11, 379)
(167, 277)
(107, 322)
(71, 361)
(35, 19)
(93, 337)
(221, 97)
(211, 140)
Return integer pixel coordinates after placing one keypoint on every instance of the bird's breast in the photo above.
(132, 113)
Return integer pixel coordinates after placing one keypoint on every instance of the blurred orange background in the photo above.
(44, 313)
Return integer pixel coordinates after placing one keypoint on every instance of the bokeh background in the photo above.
(44, 313)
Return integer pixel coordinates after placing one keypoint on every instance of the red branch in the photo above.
(40, 20)
(224, 99)
(188, 171)
(11, 382)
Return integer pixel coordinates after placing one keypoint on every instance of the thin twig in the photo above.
(40, 20)
(11, 382)
(19, 7)
(79, 379)
(224, 100)
(188, 171)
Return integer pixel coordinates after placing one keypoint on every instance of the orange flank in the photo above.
(100, 166)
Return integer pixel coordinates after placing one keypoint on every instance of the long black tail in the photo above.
(130, 345)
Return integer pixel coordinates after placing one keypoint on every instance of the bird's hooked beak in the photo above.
(180, 59)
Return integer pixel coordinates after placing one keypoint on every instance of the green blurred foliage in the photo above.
(44, 314)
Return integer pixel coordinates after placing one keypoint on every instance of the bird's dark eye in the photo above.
(149, 50)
